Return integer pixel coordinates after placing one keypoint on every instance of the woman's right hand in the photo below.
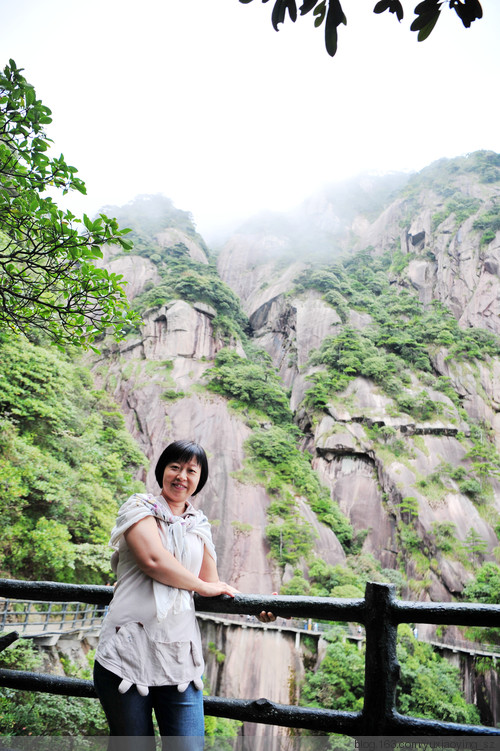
(213, 589)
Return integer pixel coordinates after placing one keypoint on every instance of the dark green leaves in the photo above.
(334, 17)
(467, 10)
(279, 12)
(393, 6)
(320, 13)
(427, 13)
(307, 6)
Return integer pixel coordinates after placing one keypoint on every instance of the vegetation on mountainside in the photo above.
(253, 385)
(40, 714)
(489, 224)
(149, 216)
(287, 473)
(429, 685)
(400, 334)
(397, 342)
(443, 176)
(185, 279)
(66, 464)
(325, 580)
(48, 276)
(485, 587)
(182, 277)
(395, 347)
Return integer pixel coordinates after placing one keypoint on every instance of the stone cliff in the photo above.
(446, 259)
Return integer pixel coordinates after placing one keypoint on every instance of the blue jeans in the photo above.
(130, 715)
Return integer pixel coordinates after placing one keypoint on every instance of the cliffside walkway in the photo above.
(46, 622)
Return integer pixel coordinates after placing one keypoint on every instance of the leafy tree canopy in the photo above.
(486, 586)
(330, 14)
(66, 459)
(48, 276)
(429, 685)
(251, 384)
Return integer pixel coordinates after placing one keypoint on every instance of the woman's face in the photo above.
(180, 480)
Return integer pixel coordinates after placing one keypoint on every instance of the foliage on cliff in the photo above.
(182, 276)
(253, 385)
(66, 463)
(401, 332)
(75, 716)
(47, 714)
(429, 685)
(485, 587)
(396, 349)
(150, 215)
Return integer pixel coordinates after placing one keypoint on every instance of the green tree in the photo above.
(339, 681)
(409, 506)
(38, 714)
(486, 586)
(331, 15)
(274, 454)
(475, 545)
(429, 685)
(290, 540)
(66, 461)
(48, 276)
(252, 383)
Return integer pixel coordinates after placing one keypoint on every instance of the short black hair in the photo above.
(183, 451)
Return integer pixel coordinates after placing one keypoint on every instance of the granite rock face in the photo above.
(447, 259)
(172, 236)
(137, 271)
(446, 262)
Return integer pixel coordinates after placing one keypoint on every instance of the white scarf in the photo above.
(173, 532)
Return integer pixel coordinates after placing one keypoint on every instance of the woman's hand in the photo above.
(267, 617)
(213, 589)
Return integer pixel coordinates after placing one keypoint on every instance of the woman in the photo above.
(149, 655)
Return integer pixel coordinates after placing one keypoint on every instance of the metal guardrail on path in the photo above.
(379, 612)
(38, 618)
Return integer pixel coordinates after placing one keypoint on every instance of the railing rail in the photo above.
(379, 612)
(30, 617)
(39, 618)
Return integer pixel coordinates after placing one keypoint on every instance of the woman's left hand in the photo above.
(267, 617)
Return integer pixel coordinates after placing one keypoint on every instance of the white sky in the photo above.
(203, 101)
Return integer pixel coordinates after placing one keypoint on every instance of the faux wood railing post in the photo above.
(381, 664)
